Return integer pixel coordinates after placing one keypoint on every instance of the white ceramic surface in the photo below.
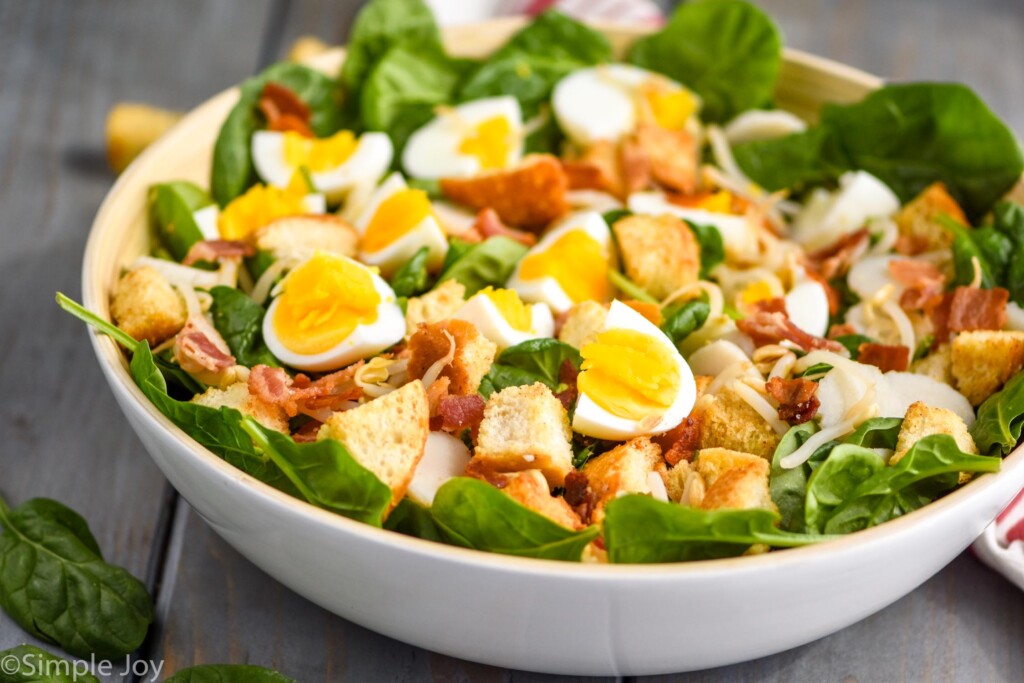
(519, 613)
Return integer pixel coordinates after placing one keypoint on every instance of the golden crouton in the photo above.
(387, 435)
(734, 480)
(474, 353)
(237, 396)
(582, 323)
(729, 422)
(624, 469)
(918, 221)
(297, 237)
(530, 489)
(658, 253)
(434, 306)
(530, 196)
(937, 365)
(146, 306)
(132, 128)
(923, 420)
(525, 428)
(676, 480)
(306, 47)
(984, 360)
(671, 154)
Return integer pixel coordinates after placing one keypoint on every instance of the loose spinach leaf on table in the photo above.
(728, 51)
(680, 320)
(413, 278)
(639, 529)
(487, 263)
(170, 207)
(997, 429)
(474, 514)
(534, 360)
(239, 320)
(29, 664)
(228, 673)
(55, 584)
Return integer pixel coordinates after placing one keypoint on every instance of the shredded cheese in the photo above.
(761, 405)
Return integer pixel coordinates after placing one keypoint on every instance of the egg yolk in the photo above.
(490, 142)
(629, 374)
(671, 109)
(577, 262)
(323, 302)
(715, 202)
(510, 306)
(318, 154)
(753, 293)
(396, 215)
(259, 206)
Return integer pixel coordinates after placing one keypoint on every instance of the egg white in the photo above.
(762, 124)
(738, 235)
(591, 419)
(433, 150)
(485, 316)
(445, 457)
(368, 163)
(807, 307)
(827, 216)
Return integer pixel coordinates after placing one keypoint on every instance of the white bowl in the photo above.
(519, 613)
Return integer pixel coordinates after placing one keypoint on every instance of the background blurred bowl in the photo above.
(513, 612)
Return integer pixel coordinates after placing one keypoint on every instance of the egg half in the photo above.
(329, 312)
(261, 205)
(738, 235)
(633, 380)
(501, 316)
(827, 216)
(568, 265)
(482, 135)
(396, 223)
(334, 164)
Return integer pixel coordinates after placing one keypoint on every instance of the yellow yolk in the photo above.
(490, 142)
(318, 154)
(323, 302)
(511, 307)
(758, 291)
(259, 206)
(671, 108)
(396, 215)
(718, 202)
(578, 264)
(629, 374)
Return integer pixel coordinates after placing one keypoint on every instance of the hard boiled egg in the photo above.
(633, 380)
(330, 312)
(827, 216)
(807, 307)
(445, 457)
(501, 316)
(334, 164)
(261, 205)
(606, 102)
(738, 234)
(397, 222)
(482, 135)
(568, 265)
(762, 124)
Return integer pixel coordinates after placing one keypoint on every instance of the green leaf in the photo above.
(1009, 221)
(558, 36)
(325, 474)
(712, 248)
(683, 319)
(228, 673)
(534, 360)
(239, 320)
(55, 584)
(878, 432)
(846, 467)
(629, 288)
(815, 372)
(29, 664)
(581, 453)
(852, 342)
(639, 529)
(997, 429)
(727, 51)
(487, 263)
(474, 514)
(413, 278)
(965, 251)
(412, 519)
(788, 487)
(170, 207)
(793, 162)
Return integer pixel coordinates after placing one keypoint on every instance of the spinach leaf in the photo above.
(846, 467)
(558, 36)
(487, 263)
(815, 372)
(412, 279)
(682, 319)
(852, 342)
(997, 429)
(239, 320)
(630, 288)
(727, 51)
(794, 162)
(612, 216)
(474, 514)
(534, 360)
(928, 469)
(878, 432)
(712, 248)
(529, 78)
(29, 664)
(412, 519)
(228, 673)
(1009, 221)
(965, 251)
(170, 207)
(582, 452)
(788, 487)
(55, 584)
(325, 474)
(639, 529)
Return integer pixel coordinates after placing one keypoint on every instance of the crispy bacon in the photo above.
(775, 305)
(567, 375)
(796, 398)
(681, 442)
(437, 390)
(284, 110)
(461, 412)
(771, 327)
(967, 308)
(885, 357)
(577, 488)
(835, 259)
(302, 394)
(841, 330)
(308, 432)
(199, 348)
(921, 279)
(489, 225)
(215, 250)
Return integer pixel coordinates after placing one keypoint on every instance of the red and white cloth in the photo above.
(1001, 545)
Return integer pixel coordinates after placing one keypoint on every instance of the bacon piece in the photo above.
(796, 398)
(216, 250)
(681, 442)
(577, 488)
(764, 327)
(885, 357)
(284, 110)
(302, 394)
(461, 412)
(835, 259)
(308, 432)
(489, 225)
(841, 330)
(922, 281)
(199, 348)
(966, 309)
(567, 375)
(774, 305)
(437, 390)
(530, 196)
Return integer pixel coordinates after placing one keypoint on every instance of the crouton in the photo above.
(918, 221)
(734, 480)
(387, 435)
(582, 323)
(436, 305)
(530, 196)
(618, 170)
(711, 463)
(671, 154)
(729, 422)
(937, 365)
(237, 396)
(297, 237)
(624, 469)
(982, 362)
(474, 353)
(923, 420)
(530, 489)
(525, 428)
(131, 128)
(676, 480)
(146, 306)
(658, 253)
(306, 47)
